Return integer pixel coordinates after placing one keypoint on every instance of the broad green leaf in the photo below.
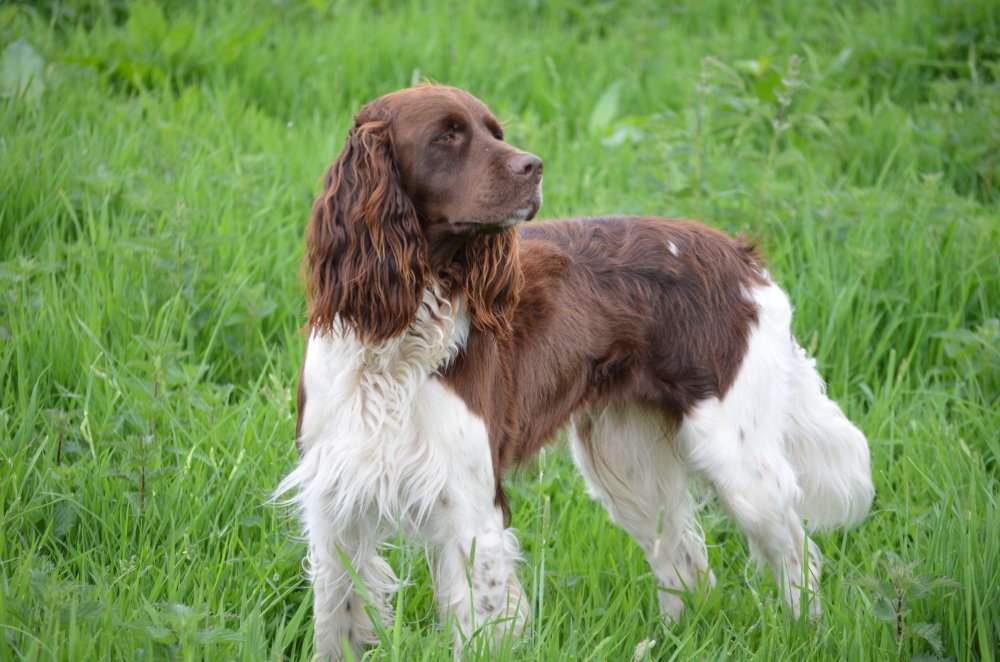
(605, 110)
(22, 72)
(929, 632)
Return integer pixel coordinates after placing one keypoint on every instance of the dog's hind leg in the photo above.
(738, 443)
(627, 456)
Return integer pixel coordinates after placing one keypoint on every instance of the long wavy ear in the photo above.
(488, 271)
(366, 257)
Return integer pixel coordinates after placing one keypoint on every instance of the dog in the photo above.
(447, 342)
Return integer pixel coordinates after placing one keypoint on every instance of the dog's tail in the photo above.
(830, 454)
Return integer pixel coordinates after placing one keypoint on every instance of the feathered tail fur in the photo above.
(830, 454)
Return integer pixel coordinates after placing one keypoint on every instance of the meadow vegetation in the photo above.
(157, 166)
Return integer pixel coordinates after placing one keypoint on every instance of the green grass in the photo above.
(156, 172)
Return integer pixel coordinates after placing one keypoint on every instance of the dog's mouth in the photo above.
(526, 212)
(519, 216)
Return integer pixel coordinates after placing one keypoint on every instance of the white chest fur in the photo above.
(379, 433)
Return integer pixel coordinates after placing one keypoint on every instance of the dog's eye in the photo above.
(498, 134)
(450, 135)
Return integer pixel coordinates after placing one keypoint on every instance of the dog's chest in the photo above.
(380, 433)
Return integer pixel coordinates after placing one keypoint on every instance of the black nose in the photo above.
(525, 164)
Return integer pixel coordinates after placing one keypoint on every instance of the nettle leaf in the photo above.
(251, 521)
(925, 587)
(942, 582)
(45, 587)
(63, 519)
(159, 633)
(884, 610)
(22, 72)
(865, 582)
(929, 632)
(88, 611)
(179, 612)
(217, 635)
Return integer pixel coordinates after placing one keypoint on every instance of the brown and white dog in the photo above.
(446, 345)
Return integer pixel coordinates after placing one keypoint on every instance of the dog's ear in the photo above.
(366, 256)
(488, 271)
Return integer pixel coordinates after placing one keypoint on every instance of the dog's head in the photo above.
(424, 188)
(453, 162)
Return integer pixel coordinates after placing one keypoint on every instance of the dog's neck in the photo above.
(443, 248)
(445, 241)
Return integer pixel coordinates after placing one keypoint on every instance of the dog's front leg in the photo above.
(341, 602)
(474, 578)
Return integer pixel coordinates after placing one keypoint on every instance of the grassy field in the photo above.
(157, 165)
